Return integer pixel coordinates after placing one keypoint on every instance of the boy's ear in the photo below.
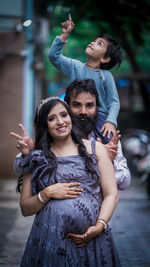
(105, 60)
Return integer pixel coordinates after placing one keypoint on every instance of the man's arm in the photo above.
(114, 151)
(122, 172)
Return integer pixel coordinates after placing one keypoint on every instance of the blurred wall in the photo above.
(11, 82)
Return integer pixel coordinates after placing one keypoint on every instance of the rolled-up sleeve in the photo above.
(122, 172)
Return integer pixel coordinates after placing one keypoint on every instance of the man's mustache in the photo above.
(85, 123)
(83, 116)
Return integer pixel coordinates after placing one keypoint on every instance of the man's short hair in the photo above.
(79, 86)
(113, 51)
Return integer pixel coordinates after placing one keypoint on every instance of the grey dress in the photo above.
(48, 245)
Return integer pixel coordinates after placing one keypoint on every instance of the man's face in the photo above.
(84, 103)
(83, 106)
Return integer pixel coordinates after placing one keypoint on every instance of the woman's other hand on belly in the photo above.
(62, 191)
(82, 240)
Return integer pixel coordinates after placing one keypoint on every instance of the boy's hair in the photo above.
(79, 86)
(113, 51)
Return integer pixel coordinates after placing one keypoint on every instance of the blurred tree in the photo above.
(127, 20)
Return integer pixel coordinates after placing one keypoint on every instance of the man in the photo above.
(82, 97)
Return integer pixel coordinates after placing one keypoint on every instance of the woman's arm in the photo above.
(25, 144)
(107, 182)
(30, 204)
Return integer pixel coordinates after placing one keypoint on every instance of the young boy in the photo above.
(102, 54)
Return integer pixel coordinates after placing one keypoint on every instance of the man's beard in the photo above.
(85, 123)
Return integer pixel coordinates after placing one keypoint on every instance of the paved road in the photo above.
(131, 227)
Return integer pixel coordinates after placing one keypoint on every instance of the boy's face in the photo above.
(97, 49)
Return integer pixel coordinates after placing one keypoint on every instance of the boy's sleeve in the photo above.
(122, 172)
(57, 59)
(112, 98)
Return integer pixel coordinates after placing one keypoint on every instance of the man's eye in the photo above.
(76, 105)
(90, 105)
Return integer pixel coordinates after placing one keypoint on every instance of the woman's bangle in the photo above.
(103, 222)
(41, 199)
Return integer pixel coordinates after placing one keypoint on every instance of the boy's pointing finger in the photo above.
(69, 16)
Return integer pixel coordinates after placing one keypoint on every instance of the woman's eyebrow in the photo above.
(51, 115)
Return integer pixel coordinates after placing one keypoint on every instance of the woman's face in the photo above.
(59, 122)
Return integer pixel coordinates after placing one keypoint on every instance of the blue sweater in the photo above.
(75, 69)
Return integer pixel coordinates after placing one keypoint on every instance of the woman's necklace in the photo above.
(59, 154)
(55, 150)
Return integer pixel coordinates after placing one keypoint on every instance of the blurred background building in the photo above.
(28, 27)
(22, 35)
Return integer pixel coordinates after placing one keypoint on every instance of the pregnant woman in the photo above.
(69, 184)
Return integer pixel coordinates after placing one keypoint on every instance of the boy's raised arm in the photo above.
(67, 28)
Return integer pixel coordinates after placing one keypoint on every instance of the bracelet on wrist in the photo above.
(63, 37)
(103, 222)
(41, 199)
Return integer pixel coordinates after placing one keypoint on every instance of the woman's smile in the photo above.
(61, 129)
(59, 122)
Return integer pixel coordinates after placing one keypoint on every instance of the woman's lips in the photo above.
(61, 129)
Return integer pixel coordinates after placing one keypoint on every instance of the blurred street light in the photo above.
(27, 23)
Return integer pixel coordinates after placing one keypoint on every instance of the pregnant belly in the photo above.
(74, 215)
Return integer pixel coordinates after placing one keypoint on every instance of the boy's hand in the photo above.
(108, 128)
(67, 28)
(25, 143)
